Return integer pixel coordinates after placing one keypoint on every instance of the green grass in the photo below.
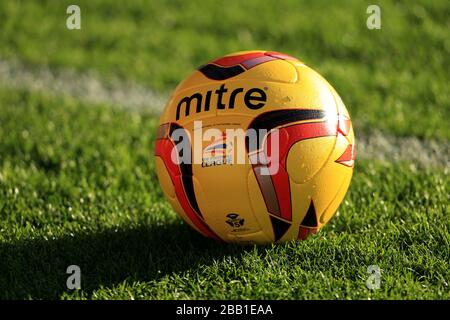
(394, 79)
(77, 180)
(77, 186)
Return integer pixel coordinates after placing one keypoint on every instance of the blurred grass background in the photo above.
(394, 79)
(77, 181)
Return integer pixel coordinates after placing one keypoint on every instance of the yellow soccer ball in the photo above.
(255, 147)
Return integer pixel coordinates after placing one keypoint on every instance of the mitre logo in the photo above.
(222, 98)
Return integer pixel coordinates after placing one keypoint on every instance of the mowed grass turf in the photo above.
(77, 180)
(78, 186)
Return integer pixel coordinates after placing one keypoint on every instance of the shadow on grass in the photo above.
(37, 268)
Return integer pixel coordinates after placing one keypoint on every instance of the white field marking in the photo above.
(390, 148)
(89, 87)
